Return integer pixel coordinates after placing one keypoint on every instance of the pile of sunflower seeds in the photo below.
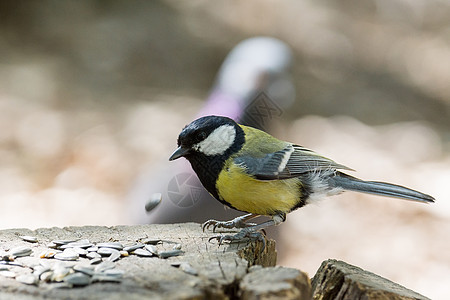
(74, 263)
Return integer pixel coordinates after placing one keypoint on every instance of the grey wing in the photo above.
(292, 161)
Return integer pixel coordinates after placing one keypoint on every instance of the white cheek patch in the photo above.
(218, 141)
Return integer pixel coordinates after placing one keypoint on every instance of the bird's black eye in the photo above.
(201, 135)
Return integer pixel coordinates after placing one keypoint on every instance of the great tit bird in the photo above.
(256, 67)
(251, 171)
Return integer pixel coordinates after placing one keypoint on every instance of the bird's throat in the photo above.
(207, 169)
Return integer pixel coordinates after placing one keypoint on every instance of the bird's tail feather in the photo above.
(351, 183)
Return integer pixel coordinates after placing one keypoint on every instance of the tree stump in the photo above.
(339, 280)
(204, 270)
(201, 270)
(275, 283)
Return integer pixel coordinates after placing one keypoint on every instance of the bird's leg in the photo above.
(238, 222)
(251, 232)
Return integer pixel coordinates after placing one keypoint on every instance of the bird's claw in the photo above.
(244, 234)
(235, 223)
(210, 223)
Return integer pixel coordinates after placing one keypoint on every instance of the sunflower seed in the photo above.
(52, 245)
(46, 276)
(124, 253)
(170, 253)
(49, 253)
(80, 251)
(92, 249)
(20, 251)
(114, 273)
(109, 252)
(28, 279)
(62, 242)
(153, 202)
(104, 251)
(106, 265)
(106, 278)
(96, 260)
(78, 244)
(113, 245)
(115, 255)
(187, 268)
(30, 239)
(92, 255)
(112, 253)
(86, 269)
(77, 279)
(177, 247)
(142, 252)
(151, 241)
(184, 266)
(133, 247)
(67, 254)
(59, 272)
(9, 274)
(152, 249)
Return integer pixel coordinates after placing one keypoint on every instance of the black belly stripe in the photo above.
(207, 169)
(305, 191)
(208, 174)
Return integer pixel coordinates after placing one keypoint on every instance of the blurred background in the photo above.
(93, 95)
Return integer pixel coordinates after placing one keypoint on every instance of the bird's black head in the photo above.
(209, 136)
(207, 143)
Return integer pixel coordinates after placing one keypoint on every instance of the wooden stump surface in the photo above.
(219, 268)
(204, 270)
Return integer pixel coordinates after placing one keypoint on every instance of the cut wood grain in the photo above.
(339, 280)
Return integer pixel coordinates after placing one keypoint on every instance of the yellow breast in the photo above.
(262, 197)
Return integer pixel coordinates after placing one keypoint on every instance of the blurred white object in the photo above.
(259, 64)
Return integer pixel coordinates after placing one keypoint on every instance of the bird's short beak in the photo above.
(179, 152)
